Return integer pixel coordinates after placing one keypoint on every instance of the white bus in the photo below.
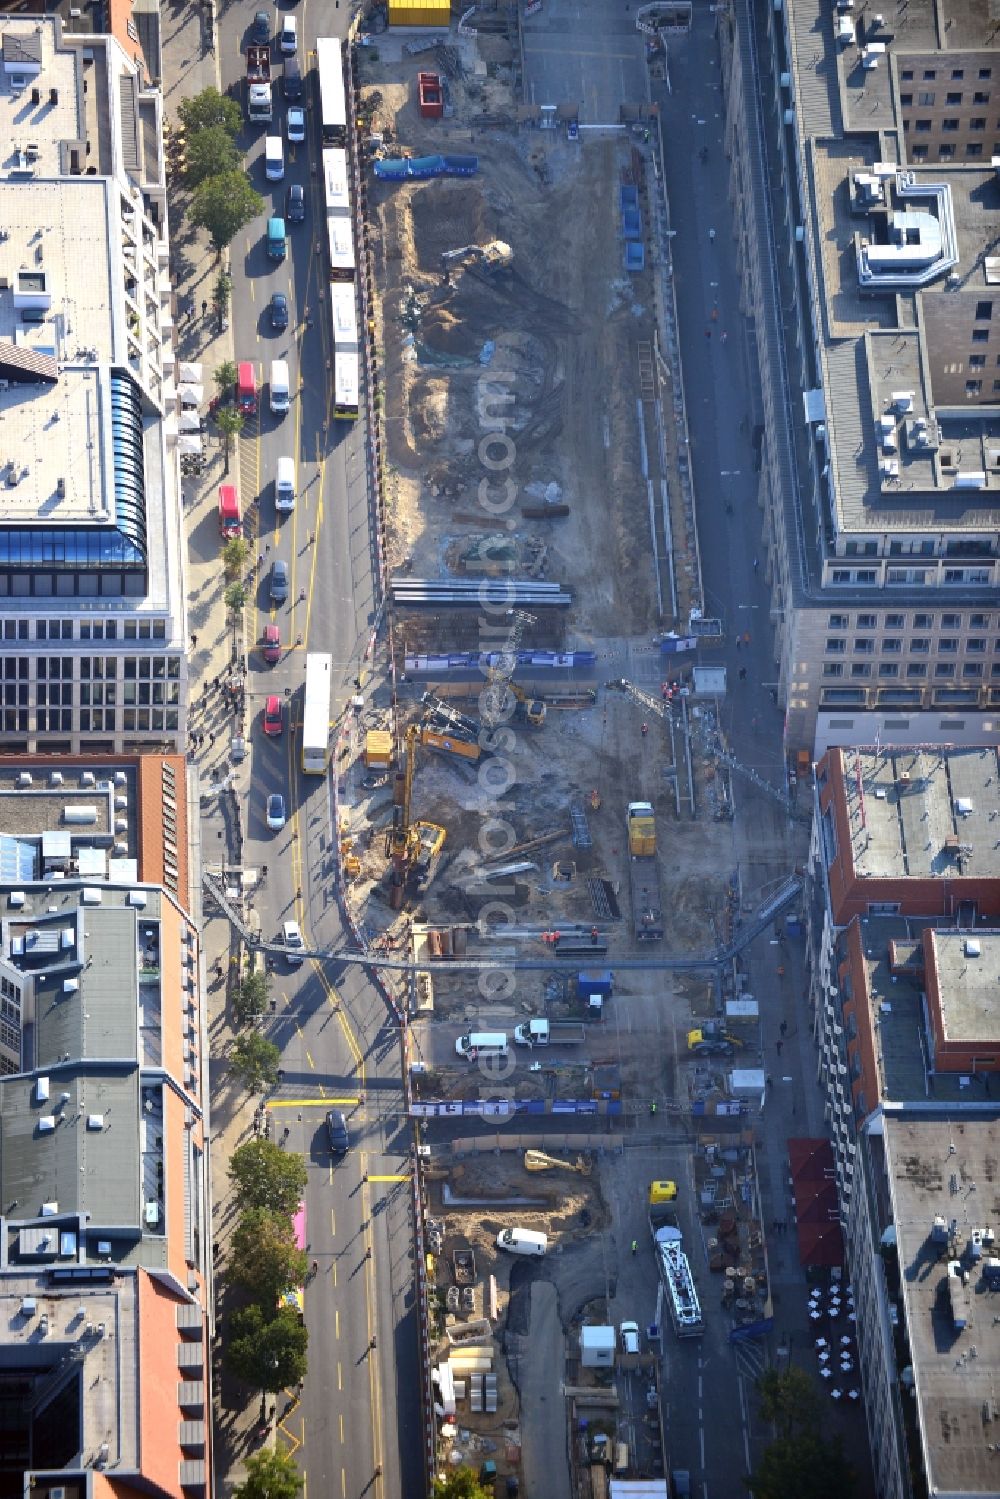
(316, 715)
(346, 363)
(336, 190)
(332, 94)
(340, 246)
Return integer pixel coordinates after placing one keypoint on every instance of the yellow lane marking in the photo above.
(310, 1103)
(336, 1322)
(309, 1059)
(400, 1176)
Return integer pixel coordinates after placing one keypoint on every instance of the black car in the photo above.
(295, 203)
(278, 310)
(336, 1129)
(260, 31)
(291, 80)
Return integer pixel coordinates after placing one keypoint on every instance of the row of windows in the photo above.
(893, 621)
(946, 152)
(92, 668)
(974, 577)
(892, 645)
(89, 629)
(957, 74)
(92, 720)
(952, 97)
(972, 671)
(923, 126)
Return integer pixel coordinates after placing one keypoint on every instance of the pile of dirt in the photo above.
(428, 413)
(442, 331)
(448, 214)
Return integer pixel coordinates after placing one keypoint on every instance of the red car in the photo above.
(272, 644)
(274, 716)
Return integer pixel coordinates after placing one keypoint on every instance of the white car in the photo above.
(276, 812)
(287, 37)
(291, 936)
(629, 1332)
(295, 124)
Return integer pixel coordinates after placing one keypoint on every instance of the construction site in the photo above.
(554, 781)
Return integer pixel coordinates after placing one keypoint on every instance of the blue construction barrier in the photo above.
(632, 223)
(421, 168)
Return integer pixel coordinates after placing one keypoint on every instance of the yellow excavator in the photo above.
(411, 846)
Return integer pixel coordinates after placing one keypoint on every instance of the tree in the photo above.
(210, 152)
(803, 1465)
(224, 204)
(255, 1061)
(788, 1401)
(209, 109)
(234, 555)
(463, 1483)
(229, 421)
(268, 1353)
(250, 998)
(263, 1257)
(221, 294)
(265, 1176)
(225, 376)
(270, 1475)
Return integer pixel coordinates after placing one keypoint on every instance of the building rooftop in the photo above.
(923, 812)
(968, 970)
(947, 1169)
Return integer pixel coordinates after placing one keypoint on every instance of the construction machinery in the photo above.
(538, 1160)
(644, 872)
(712, 1039)
(491, 257)
(411, 846)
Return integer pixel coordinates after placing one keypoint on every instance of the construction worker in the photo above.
(635, 1246)
(645, 730)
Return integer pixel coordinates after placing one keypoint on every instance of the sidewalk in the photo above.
(215, 715)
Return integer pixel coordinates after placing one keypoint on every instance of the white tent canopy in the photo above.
(191, 395)
(189, 421)
(189, 444)
(189, 374)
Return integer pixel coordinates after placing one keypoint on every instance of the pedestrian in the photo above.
(779, 1045)
(260, 559)
(746, 637)
(267, 546)
(312, 537)
(194, 642)
(743, 673)
(652, 1107)
(644, 730)
(711, 236)
(724, 336)
(635, 1246)
(708, 332)
(737, 642)
(204, 306)
(211, 736)
(715, 314)
(756, 563)
(784, 1027)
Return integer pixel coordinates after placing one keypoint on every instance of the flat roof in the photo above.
(947, 1168)
(911, 802)
(898, 1010)
(25, 125)
(968, 965)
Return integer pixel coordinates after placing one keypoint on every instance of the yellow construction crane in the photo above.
(498, 682)
(411, 846)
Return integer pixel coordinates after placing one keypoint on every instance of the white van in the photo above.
(279, 386)
(274, 158)
(284, 485)
(522, 1241)
(482, 1044)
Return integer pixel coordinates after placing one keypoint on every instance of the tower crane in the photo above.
(499, 683)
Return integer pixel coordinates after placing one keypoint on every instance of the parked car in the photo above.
(278, 311)
(278, 585)
(274, 715)
(276, 812)
(295, 124)
(260, 31)
(288, 36)
(629, 1333)
(336, 1129)
(295, 203)
(291, 936)
(271, 645)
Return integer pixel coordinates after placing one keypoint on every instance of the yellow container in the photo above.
(378, 749)
(660, 1192)
(426, 13)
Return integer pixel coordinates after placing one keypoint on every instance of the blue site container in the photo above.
(595, 981)
(628, 196)
(635, 255)
(632, 223)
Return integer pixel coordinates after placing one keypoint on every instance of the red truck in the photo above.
(246, 388)
(230, 519)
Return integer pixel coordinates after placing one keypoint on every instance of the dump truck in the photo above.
(644, 872)
(259, 107)
(711, 1040)
(542, 1032)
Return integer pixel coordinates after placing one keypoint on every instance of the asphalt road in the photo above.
(355, 1426)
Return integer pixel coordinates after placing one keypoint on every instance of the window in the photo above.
(919, 153)
(949, 125)
(945, 669)
(892, 646)
(54, 629)
(917, 669)
(923, 126)
(907, 75)
(888, 669)
(906, 100)
(953, 99)
(929, 75)
(979, 621)
(837, 622)
(957, 75)
(833, 669)
(836, 647)
(864, 647)
(976, 647)
(972, 669)
(973, 148)
(867, 621)
(973, 387)
(861, 669)
(979, 123)
(984, 311)
(861, 549)
(922, 621)
(948, 647)
(895, 621)
(985, 73)
(951, 621)
(980, 336)
(977, 361)
(920, 644)
(946, 153)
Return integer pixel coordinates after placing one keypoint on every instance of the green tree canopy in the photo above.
(270, 1475)
(250, 999)
(210, 152)
(263, 1257)
(255, 1061)
(463, 1483)
(803, 1465)
(210, 109)
(788, 1400)
(224, 204)
(265, 1176)
(235, 552)
(225, 376)
(268, 1353)
(229, 420)
(221, 294)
